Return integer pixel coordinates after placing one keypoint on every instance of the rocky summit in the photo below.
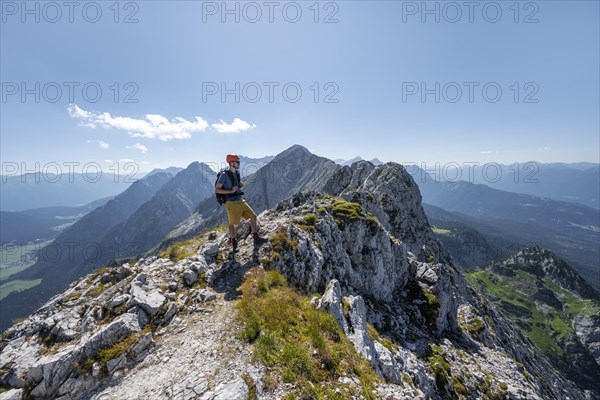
(351, 297)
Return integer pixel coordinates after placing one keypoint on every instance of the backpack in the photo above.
(222, 198)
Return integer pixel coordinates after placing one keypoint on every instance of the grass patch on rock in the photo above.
(97, 273)
(103, 356)
(281, 244)
(188, 248)
(473, 326)
(303, 346)
(177, 252)
(427, 301)
(96, 291)
(374, 335)
(307, 222)
(440, 368)
(346, 211)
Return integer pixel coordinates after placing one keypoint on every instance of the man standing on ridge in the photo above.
(229, 184)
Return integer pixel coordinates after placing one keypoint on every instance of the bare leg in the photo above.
(253, 224)
(232, 231)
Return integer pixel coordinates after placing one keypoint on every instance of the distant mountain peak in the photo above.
(536, 254)
(375, 161)
(296, 154)
(543, 261)
(295, 149)
(170, 170)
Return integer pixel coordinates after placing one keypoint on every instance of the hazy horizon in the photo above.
(67, 168)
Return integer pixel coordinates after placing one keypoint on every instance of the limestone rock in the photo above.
(357, 330)
(205, 295)
(235, 390)
(171, 311)
(150, 299)
(66, 329)
(387, 364)
(587, 329)
(332, 303)
(190, 277)
(210, 249)
(118, 300)
(12, 394)
(50, 372)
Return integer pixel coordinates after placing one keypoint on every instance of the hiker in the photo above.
(228, 190)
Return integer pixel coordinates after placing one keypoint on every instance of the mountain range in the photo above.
(503, 237)
(353, 296)
(341, 161)
(163, 208)
(573, 182)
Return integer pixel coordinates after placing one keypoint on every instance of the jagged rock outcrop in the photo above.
(391, 195)
(587, 328)
(416, 302)
(354, 325)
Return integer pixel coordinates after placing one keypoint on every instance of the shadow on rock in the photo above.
(230, 276)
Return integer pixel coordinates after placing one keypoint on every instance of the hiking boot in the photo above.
(234, 243)
(258, 239)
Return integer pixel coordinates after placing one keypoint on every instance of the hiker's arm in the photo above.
(242, 184)
(219, 189)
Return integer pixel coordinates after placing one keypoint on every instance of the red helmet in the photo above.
(232, 157)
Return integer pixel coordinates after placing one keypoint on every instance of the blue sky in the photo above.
(375, 61)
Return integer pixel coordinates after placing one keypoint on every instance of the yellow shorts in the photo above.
(236, 210)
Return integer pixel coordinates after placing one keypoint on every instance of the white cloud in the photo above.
(101, 144)
(547, 148)
(153, 126)
(235, 127)
(140, 147)
(486, 152)
(126, 160)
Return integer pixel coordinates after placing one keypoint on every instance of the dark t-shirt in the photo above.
(228, 185)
